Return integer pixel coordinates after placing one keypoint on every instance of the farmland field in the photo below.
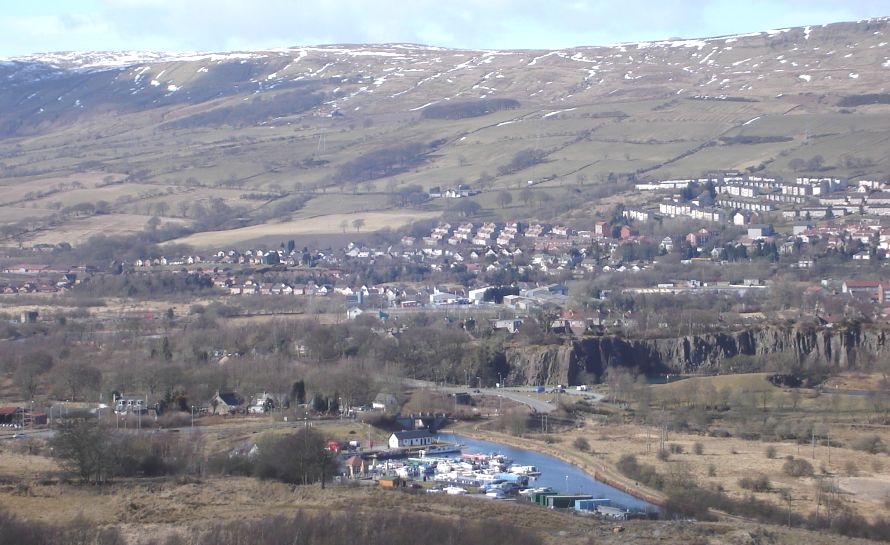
(327, 224)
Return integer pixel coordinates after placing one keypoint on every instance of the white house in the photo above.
(442, 298)
(476, 296)
(414, 438)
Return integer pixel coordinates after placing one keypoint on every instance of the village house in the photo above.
(702, 236)
(18, 417)
(413, 438)
(602, 229)
(863, 289)
(226, 403)
(385, 402)
(264, 402)
(511, 326)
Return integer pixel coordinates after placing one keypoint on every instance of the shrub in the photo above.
(523, 159)
(797, 467)
(759, 483)
(869, 443)
(299, 458)
(330, 528)
(79, 530)
(771, 452)
(464, 109)
(663, 455)
(226, 464)
(712, 470)
(174, 419)
(698, 448)
(644, 473)
(675, 448)
(581, 444)
(383, 162)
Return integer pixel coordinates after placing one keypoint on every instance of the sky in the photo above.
(36, 26)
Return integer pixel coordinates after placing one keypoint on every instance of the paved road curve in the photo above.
(518, 395)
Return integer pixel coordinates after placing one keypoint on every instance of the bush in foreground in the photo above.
(872, 444)
(759, 483)
(582, 444)
(797, 467)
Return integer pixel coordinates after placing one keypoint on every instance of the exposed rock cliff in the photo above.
(576, 361)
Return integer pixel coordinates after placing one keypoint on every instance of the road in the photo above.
(525, 395)
(246, 426)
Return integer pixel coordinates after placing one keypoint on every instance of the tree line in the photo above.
(468, 108)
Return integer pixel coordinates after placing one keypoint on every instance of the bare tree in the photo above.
(84, 448)
(75, 378)
(526, 195)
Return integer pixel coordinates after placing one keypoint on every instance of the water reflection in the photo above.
(561, 476)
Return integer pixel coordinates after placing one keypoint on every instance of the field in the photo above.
(143, 508)
(579, 148)
(145, 511)
(328, 224)
(714, 460)
(78, 230)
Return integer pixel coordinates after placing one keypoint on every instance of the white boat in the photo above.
(439, 448)
(532, 491)
(523, 470)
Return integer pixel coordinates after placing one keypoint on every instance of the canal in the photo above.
(555, 473)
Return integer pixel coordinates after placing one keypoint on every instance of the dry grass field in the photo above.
(78, 230)
(151, 509)
(328, 224)
(723, 463)
(11, 214)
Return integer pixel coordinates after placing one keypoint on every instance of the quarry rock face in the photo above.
(583, 360)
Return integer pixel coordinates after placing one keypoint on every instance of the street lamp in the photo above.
(567, 484)
(478, 382)
(193, 416)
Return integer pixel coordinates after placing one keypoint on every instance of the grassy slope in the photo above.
(651, 125)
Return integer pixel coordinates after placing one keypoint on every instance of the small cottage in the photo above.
(226, 403)
(414, 438)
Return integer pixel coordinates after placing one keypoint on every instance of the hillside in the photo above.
(94, 142)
